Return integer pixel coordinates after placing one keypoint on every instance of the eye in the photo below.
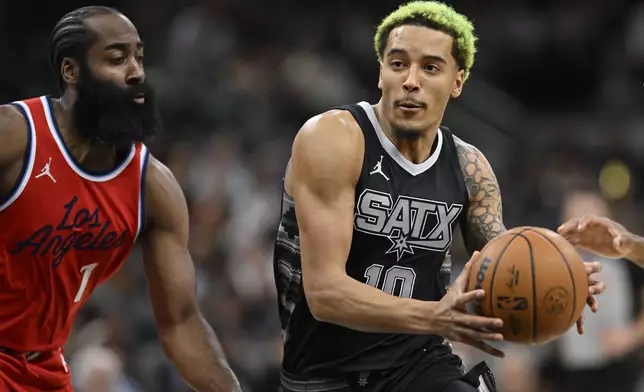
(397, 64)
(140, 58)
(117, 60)
(432, 68)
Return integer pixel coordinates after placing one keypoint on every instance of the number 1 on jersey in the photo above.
(86, 271)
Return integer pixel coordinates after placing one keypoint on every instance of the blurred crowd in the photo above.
(554, 102)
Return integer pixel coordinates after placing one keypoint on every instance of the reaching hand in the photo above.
(599, 235)
(595, 287)
(455, 324)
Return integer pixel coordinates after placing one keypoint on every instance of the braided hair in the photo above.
(71, 37)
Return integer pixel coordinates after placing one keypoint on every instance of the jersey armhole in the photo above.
(366, 128)
(28, 159)
(462, 220)
(144, 157)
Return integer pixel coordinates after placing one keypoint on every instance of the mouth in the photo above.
(139, 98)
(410, 106)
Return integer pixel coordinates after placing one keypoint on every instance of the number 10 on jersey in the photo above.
(404, 277)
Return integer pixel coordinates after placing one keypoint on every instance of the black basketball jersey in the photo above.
(404, 219)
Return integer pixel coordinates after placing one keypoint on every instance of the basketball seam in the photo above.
(534, 288)
(572, 278)
(499, 257)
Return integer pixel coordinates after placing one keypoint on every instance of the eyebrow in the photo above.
(431, 57)
(122, 46)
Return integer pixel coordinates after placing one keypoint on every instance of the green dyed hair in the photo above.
(437, 16)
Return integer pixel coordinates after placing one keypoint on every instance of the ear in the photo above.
(457, 88)
(380, 77)
(69, 70)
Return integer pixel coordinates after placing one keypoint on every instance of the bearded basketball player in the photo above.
(78, 188)
(372, 195)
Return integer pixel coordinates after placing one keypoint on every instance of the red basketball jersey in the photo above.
(64, 231)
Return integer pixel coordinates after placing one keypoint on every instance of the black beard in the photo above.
(106, 114)
(405, 133)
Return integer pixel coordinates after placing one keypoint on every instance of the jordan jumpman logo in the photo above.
(378, 169)
(46, 171)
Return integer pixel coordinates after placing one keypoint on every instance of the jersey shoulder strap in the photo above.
(371, 141)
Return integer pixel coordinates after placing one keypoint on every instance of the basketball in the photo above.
(534, 280)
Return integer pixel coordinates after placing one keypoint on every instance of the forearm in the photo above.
(639, 330)
(637, 254)
(355, 305)
(193, 348)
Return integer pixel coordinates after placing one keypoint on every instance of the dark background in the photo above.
(555, 102)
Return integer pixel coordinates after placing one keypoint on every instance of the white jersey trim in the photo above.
(70, 161)
(482, 385)
(31, 158)
(412, 168)
(144, 156)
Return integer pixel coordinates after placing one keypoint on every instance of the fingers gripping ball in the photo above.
(534, 280)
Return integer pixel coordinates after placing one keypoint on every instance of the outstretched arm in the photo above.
(605, 237)
(185, 336)
(485, 213)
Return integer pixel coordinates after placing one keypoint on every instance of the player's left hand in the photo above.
(595, 287)
(599, 235)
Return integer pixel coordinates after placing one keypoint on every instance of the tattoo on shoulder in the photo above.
(485, 213)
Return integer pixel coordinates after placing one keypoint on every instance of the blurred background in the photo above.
(555, 102)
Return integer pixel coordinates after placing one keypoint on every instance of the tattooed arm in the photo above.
(485, 212)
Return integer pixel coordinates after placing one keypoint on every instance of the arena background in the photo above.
(555, 101)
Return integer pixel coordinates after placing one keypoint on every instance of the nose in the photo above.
(411, 83)
(136, 74)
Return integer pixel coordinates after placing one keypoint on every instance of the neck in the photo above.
(416, 149)
(91, 156)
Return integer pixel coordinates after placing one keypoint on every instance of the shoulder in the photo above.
(14, 131)
(335, 129)
(165, 203)
(329, 143)
(470, 157)
(477, 170)
(465, 149)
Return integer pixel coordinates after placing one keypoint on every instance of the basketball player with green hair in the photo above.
(372, 196)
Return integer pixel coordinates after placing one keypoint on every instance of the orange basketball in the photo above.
(534, 280)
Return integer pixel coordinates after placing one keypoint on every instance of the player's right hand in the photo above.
(454, 323)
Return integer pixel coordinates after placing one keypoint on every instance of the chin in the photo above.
(407, 130)
(408, 126)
